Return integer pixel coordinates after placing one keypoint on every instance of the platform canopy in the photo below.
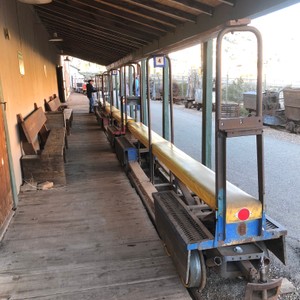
(114, 32)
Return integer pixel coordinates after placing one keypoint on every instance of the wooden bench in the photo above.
(63, 105)
(58, 114)
(44, 150)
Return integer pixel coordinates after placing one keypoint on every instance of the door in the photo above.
(6, 196)
(60, 83)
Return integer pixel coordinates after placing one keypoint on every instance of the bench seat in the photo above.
(44, 150)
(56, 119)
(198, 178)
(58, 114)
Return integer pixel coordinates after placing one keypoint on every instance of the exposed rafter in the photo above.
(206, 9)
(112, 32)
(229, 2)
(160, 10)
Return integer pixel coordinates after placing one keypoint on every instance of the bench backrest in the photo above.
(33, 131)
(54, 104)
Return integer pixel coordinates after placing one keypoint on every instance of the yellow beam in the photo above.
(197, 177)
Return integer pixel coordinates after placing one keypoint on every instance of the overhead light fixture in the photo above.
(55, 38)
(67, 58)
(36, 1)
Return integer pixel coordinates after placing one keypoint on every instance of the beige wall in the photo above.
(28, 37)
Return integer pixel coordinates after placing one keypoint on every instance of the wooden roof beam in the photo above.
(76, 38)
(102, 33)
(160, 9)
(206, 28)
(206, 9)
(229, 2)
(123, 6)
(123, 20)
(89, 56)
(117, 8)
(59, 12)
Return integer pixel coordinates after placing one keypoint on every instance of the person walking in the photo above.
(89, 92)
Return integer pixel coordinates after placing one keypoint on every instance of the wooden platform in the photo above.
(89, 240)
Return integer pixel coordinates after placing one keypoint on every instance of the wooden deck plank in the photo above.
(89, 240)
(40, 283)
(136, 290)
(62, 255)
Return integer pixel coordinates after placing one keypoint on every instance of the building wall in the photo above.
(27, 40)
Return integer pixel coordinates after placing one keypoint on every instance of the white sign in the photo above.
(159, 61)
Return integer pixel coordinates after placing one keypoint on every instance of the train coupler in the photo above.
(263, 290)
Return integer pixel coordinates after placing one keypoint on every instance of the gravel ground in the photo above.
(218, 288)
(281, 134)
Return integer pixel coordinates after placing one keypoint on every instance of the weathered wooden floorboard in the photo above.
(60, 230)
(98, 197)
(39, 283)
(129, 291)
(62, 256)
(89, 240)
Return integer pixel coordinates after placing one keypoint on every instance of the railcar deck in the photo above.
(89, 240)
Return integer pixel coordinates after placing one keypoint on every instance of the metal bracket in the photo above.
(241, 126)
(188, 198)
(263, 291)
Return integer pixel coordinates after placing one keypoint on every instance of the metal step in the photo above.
(171, 213)
(179, 230)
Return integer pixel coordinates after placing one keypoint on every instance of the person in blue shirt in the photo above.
(137, 86)
(89, 92)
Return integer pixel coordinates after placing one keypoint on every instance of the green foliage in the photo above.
(233, 92)
(179, 88)
(244, 112)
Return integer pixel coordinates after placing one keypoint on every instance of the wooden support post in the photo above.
(143, 85)
(207, 54)
(166, 106)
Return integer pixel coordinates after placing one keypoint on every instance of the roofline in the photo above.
(205, 28)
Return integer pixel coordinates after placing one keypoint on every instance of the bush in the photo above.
(236, 89)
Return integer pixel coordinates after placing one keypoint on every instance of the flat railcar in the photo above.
(203, 219)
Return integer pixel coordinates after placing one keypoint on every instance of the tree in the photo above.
(233, 92)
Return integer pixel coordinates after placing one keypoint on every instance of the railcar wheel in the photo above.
(197, 274)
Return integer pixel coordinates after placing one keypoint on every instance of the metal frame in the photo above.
(132, 91)
(104, 75)
(228, 234)
(170, 98)
(98, 84)
(236, 127)
(207, 59)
